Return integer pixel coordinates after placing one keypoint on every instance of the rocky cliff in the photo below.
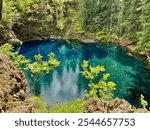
(13, 88)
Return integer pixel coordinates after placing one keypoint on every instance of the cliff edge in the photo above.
(13, 88)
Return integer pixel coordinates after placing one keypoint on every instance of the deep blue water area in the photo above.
(66, 83)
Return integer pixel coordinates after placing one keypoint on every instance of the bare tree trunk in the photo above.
(1, 6)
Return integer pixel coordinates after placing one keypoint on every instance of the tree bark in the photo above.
(1, 7)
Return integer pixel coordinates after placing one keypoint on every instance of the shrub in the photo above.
(9, 13)
(144, 103)
(18, 60)
(23, 5)
(103, 88)
(36, 68)
(76, 106)
(40, 104)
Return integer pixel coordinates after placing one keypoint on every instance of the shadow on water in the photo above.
(66, 83)
(141, 82)
(92, 50)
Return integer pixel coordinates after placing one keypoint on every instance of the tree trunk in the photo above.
(1, 6)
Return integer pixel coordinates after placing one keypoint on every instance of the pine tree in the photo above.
(116, 17)
(144, 33)
(131, 19)
(87, 12)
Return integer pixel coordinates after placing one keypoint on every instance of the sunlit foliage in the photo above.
(103, 88)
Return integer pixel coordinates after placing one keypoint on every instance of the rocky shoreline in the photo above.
(113, 106)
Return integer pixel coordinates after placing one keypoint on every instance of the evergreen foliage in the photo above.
(123, 18)
(129, 20)
(144, 34)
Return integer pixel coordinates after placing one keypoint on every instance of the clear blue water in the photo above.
(66, 83)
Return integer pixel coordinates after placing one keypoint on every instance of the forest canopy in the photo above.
(129, 20)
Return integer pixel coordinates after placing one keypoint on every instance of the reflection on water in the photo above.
(62, 88)
(66, 83)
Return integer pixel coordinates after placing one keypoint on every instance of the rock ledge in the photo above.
(113, 106)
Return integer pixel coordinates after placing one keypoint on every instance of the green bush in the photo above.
(23, 5)
(102, 89)
(36, 68)
(105, 37)
(76, 106)
(9, 13)
(144, 103)
(78, 28)
(40, 104)
(19, 61)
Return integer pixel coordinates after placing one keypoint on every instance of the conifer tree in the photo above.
(144, 33)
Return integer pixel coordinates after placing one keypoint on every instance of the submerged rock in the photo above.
(113, 106)
(13, 88)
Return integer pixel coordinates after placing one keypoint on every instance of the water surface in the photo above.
(66, 83)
